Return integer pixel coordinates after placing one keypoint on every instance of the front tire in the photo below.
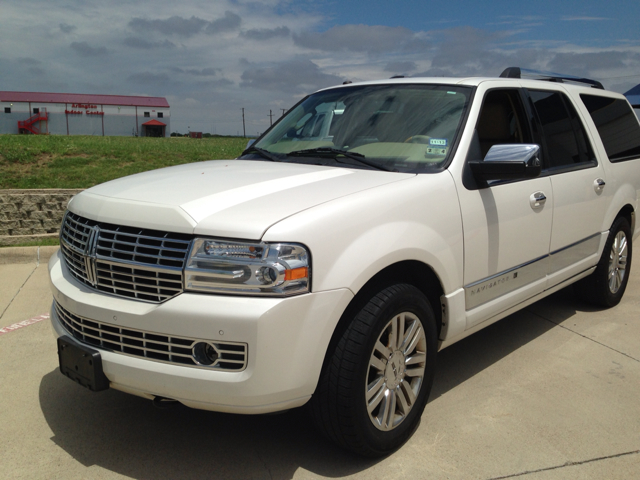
(376, 384)
(606, 285)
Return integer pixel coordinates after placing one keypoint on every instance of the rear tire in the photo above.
(376, 383)
(606, 285)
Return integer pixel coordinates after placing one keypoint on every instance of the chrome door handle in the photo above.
(598, 184)
(537, 200)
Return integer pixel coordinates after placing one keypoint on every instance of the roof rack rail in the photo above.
(517, 72)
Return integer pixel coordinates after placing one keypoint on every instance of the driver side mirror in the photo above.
(508, 162)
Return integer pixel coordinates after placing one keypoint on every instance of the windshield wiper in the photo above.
(264, 153)
(335, 152)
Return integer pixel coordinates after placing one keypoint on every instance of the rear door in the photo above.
(578, 183)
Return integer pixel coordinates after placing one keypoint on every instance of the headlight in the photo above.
(278, 269)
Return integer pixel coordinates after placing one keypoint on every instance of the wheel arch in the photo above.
(629, 213)
(622, 204)
(411, 272)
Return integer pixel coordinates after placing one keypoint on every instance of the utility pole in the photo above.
(270, 117)
(283, 110)
(244, 132)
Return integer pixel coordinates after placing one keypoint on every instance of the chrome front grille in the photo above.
(230, 356)
(124, 261)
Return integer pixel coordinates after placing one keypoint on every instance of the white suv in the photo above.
(373, 225)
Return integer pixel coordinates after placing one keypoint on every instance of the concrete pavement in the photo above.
(551, 392)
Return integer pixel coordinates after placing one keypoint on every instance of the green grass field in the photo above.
(55, 161)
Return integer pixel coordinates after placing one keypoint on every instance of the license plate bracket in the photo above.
(81, 364)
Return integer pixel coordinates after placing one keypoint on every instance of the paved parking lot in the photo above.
(552, 392)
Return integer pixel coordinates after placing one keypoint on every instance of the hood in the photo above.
(226, 198)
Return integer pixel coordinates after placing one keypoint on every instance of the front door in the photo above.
(507, 226)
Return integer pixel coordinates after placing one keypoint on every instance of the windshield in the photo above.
(407, 128)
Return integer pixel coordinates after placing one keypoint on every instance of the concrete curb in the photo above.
(12, 255)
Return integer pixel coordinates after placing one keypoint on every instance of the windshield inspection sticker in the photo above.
(439, 142)
(435, 151)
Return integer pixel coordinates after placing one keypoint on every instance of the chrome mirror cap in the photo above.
(521, 152)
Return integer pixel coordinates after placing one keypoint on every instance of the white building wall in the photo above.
(112, 120)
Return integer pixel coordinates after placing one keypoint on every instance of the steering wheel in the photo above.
(418, 139)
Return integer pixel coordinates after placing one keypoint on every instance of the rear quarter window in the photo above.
(617, 125)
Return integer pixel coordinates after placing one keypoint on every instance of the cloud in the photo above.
(210, 71)
(66, 28)
(187, 27)
(28, 61)
(583, 63)
(37, 71)
(136, 42)
(149, 78)
(468, 51)
(263, 34)
(363, 38)
(183, 27)
(294, 76)
(264, 55)
(584, 19)
(400, 67)
(208, 84)
(85, 50)
(228, 23)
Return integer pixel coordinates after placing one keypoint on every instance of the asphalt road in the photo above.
(551, 392)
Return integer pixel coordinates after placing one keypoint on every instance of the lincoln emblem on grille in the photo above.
(90, 255)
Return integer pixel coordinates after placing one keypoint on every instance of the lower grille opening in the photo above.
(230, 356)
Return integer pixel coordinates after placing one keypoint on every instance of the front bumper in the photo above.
(287, 340)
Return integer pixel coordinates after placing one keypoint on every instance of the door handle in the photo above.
(598, 184)
(537, 200)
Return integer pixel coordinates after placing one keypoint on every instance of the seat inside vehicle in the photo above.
(499, 121)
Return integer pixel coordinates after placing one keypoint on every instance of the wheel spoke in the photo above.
(418, 334)
(393, 335)
(415, 372)
(614, 280)
(400, 332)
(374, 388)
(403, 404)
(389, 410)
(417, 358)
(408, 335)
(377, 398)
(384, 351)
(621, 244)
(411, 396)
(619, 277)
(376, 363)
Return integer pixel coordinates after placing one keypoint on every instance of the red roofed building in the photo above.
(82, 114)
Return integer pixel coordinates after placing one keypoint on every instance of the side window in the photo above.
(565, 140)
(147, 114)
(7, 109)
(617, 125)
(502, 120)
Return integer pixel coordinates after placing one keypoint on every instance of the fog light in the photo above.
(205, 353)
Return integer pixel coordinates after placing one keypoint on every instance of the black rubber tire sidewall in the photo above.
(351, 426)
(595, 288)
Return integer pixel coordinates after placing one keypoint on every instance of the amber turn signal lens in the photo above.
(296, 273)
